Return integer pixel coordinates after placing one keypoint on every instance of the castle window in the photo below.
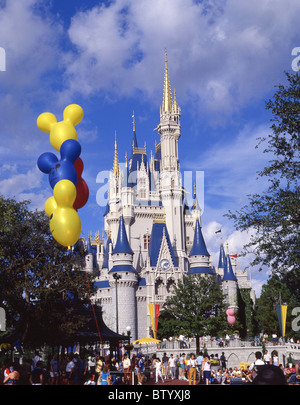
(146, 241)
(143, 193)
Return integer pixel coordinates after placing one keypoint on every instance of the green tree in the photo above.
(273, 293)
(275, 214)
(42, 287)
(196, 308)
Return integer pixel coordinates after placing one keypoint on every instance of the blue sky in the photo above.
(224, 59)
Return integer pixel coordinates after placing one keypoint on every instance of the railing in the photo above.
(212, 343)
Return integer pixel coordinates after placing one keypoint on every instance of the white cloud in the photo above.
(231, 168)
(18, 183)
(223, 54)
(31, 39)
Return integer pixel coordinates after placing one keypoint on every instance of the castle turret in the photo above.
(123, 280)
(222, 257)
(169, 130)
(89, 258)
(199, 258)
(229, 284)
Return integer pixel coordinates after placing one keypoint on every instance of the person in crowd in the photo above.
(199, 365)
(105, 375)
(192, 364)
(37, 374)
(182, 368)
(172, 367)
(223, 361)
(98, 367)
(54, 373)
(13, 376)
(269, 375)
(165, 366)
(267, 357)
(206, 369)
(140, 369)
(126, 368)
(70, 370)
(90, 379)
(158, 373)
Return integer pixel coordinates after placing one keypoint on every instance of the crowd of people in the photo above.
(75, 369)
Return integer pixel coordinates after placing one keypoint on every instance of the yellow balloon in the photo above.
(65, 224)
(63, 130)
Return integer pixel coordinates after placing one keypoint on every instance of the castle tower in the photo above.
(115, 191)
(171, 190)
(125, 284)
(89, 258)
(229, 284)
(199, 258)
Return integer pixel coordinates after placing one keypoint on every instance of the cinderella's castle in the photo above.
(153, 236)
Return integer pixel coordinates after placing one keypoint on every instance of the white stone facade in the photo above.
(160, 232)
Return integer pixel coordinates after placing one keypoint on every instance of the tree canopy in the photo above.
(275, 214)
(196, 308)
(43, 289)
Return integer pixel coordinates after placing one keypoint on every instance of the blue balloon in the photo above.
(62, 169)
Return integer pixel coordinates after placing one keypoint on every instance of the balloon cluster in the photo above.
(70, 191)
(230, 316)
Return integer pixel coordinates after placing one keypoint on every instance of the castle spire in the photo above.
(175, 105)
(199, 246)
(167, 99)
(122, 244)
(116, 169)
(228, 271)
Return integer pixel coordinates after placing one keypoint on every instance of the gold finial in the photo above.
(227, 247)
(126, 157)
(116, 169)
(167, 99)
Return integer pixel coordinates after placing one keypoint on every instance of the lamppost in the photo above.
(128, 329)
(117, 277)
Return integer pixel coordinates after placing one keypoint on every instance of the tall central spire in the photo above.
(116, 169)
(167, 100)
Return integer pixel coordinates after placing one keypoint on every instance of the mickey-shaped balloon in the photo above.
(63, 130)
(81, 186)
(64, 168)
(65, 224)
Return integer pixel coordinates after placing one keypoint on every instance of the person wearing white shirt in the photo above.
(172, 365)
(69, 370)
(158, 371)
(258, 361)
(267, 357)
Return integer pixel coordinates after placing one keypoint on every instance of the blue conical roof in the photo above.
(228, 272)
(89, 247)
(199, 247)
(222, 258)
(122, 244)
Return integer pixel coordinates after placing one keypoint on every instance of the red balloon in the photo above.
(81, 186)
